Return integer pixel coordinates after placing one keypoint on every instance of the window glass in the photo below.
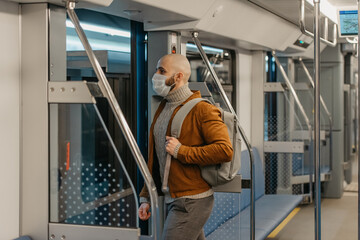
(92, 171)
(222, 61)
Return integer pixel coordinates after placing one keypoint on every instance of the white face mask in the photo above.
(160, 86)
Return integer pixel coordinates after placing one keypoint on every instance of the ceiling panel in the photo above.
(290, 11)
(287, 9)
(79, 3)
(339, 3)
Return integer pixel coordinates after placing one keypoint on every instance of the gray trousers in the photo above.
(186, 218)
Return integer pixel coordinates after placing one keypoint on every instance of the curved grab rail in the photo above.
(324, 106)
(352, 41)
(108, 93)
(310, 34)
(302, 110)
(247, 143)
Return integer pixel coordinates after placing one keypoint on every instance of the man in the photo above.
(203, 140)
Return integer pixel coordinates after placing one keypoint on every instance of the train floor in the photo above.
(339, 218)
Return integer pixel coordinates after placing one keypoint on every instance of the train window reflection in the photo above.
(223, 62)
(104, 32)
(109, 36)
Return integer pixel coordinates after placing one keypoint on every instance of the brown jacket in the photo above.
(205, 141)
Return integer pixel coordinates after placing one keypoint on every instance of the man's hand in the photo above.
(171, 144)
(144, 212)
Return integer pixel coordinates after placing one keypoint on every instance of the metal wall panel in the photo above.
(34, 146)
(332, 73)
(77, 232)
(243, 92)
(57, 46)
(10, 119)
(257, 101)
(334, 187)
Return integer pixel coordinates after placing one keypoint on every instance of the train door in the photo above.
(93, 180)
(93, 176)
(85, 173)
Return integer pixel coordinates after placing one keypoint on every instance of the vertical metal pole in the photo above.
(109, 94)
(317, 119)
(242, 132)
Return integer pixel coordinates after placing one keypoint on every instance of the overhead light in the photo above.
(132, 12)
(73, 44)
(206, 49)
(100, 29)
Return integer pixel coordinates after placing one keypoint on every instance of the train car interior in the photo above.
(78, 106)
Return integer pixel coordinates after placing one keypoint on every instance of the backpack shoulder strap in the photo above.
(175, 132)
(181, 114)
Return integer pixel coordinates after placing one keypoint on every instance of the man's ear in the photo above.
(179, 76)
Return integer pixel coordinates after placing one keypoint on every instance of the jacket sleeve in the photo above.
(144, 192)
(217, 146)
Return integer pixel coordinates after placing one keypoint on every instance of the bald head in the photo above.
(177, 63)
(176, 67)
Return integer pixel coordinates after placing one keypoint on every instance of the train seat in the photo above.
(23, 238)
(226, 222)
(301, 167)
(306, 170)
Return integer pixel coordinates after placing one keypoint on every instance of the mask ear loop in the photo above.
(173, 85)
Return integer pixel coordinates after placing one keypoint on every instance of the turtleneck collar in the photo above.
(179, 95)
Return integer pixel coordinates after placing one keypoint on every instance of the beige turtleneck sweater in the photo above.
(174, 98)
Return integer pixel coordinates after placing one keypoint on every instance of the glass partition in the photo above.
(306, 95)
(285, 127)
(89, 184)
(282, 168)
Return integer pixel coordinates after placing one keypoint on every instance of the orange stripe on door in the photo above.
(67, 156)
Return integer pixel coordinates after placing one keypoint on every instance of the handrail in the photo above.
(313, 86)
(293, 92)
(302, 110)
(352, 41)
(108, 93)
(310, 34)
(118, 157)
(247, 143)
(324, 106)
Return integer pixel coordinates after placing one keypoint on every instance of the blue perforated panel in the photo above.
(227, 223)
(226, 206)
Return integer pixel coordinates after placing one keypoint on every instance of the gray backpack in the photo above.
(213, 174)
